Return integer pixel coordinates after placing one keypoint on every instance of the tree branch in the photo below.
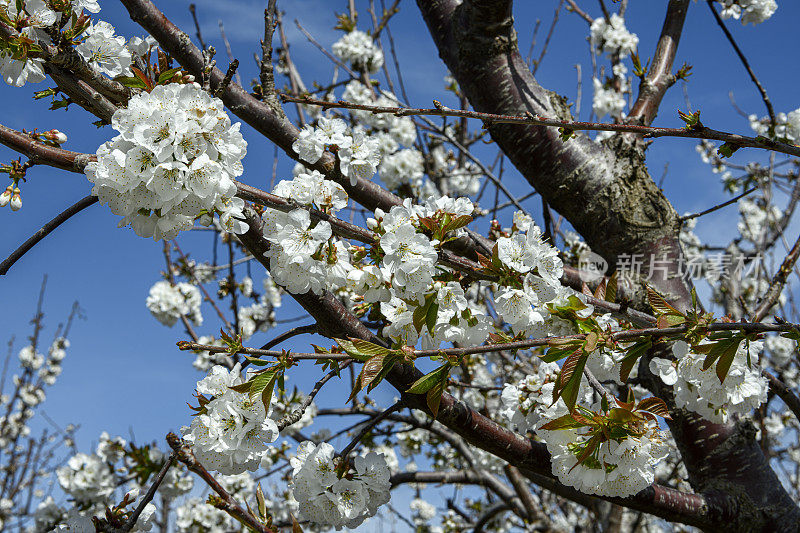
(660, 78)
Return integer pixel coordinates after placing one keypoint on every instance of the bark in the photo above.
(606, 193)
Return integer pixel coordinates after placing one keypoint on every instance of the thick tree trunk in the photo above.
(607, 194)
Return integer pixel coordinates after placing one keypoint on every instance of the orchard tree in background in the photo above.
(573, 381)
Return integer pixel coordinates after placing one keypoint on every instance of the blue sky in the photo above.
(123, 371)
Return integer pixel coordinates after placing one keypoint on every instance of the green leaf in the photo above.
(350, 348)
(456, 223)
(257, 362)
(724, 351)
(725, 361)
(262, 384)
(131, 81)
(670, 320)
(167, 75)
(431, 315)
(434, 396)
(388, 362)
(567, 421)
(371, 369)
(727, 149)
(569, 379)
(420, 315)
(633, 355)
(588, 450)
(556, 354)
(428, 381)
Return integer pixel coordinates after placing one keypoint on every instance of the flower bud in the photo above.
(55, 136)
(16, 201)
(6, 196)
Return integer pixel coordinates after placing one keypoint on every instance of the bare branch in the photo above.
(48, 228)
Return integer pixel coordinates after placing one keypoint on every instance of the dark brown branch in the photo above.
(48, 228)
(151, 492)
(660, 78)
(228, 504)
(784, 393)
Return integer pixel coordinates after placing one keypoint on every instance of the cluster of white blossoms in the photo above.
(700, 391)
(168, 302)
(231, 432)
(34, 17)
(174, 161)
(328, 498)
(607, 101)
(537, 263)
(750, 11)
(619, 467)
(388, 129)
(303, 254)
(786, 125)
(358, 152)
(455, 178)
(358, 49)
(98, 45)
(407, 277)
(611, 36)
(86, 478)
(757, 220)
(780, 349)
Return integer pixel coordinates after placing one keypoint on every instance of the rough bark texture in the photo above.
(606, 193)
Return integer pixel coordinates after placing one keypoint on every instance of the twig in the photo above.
(538, 62)
(522, 490)
(324, 51)
(578, 11)
(777, 283)
(368, 427)
(744, 61)
(659, 78)
(297, 414)
(266, 74)
(151, 492)
(299, 330)
(720, 206)
(229, 51)
(620, 336)
(206, 295)
(48, 228)
(648, 132)
(232, 69)
(228, 504)
(784, 393)
(193, 11)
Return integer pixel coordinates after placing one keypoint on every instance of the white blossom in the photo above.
(174, 160)
(358, 49)
(104, 50)
(168, 302)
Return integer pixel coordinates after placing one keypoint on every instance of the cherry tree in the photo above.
(559, 375)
